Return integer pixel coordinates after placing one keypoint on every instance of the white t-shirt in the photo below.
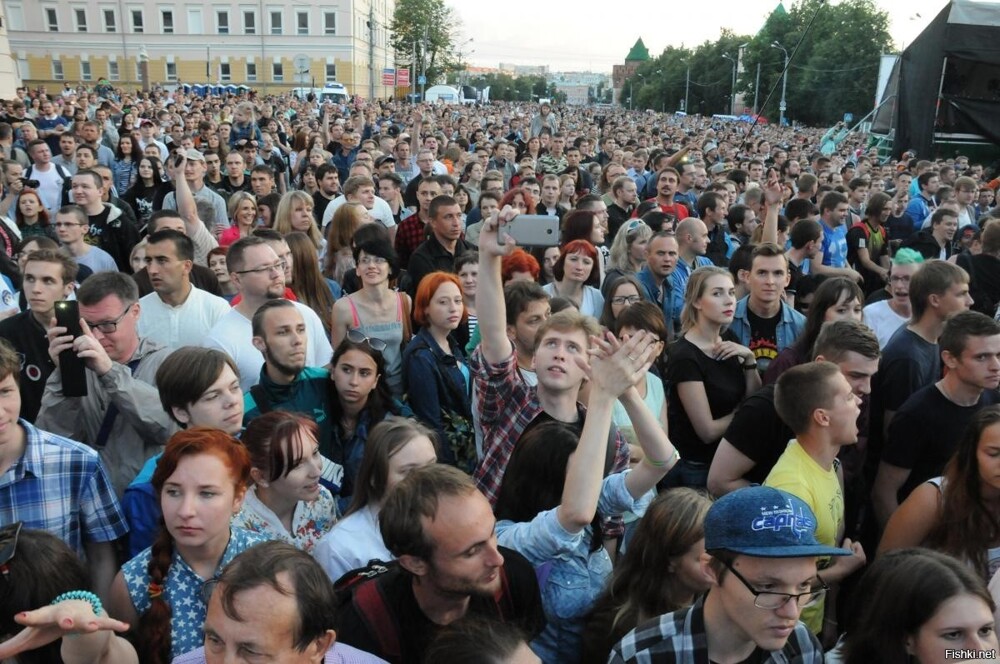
(883, 321)
(380, 211)
(233, 334)
(50, 187)
(186, 325)
(354, 541)
(97, 260)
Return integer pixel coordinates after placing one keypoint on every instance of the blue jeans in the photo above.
(692, 474)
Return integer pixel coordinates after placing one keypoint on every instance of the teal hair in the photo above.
(907, 257)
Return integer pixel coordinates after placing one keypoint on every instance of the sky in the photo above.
(592, 35)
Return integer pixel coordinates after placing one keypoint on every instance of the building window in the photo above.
(329, 23)
(57, 70)
(110, 24)
(331, 73)
(15, 14)
(277, 72)
(137, 23)
(302, 22)
(113, 72)
(225, 75)
(276, 20)
(251, 72)
(195, 24)
(80, 15)
(249, 23)
(171, 71)
(52, 19)
(85, 71)
(222, 22)
(167, 16)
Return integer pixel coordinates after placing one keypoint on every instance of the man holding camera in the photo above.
(120, 416)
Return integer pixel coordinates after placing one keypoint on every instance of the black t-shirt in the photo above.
(908, 363)
(319, 206)
(758, 433)
(857, 238)
(763, 338)
(415, 629)
(724, 386)
(28, 338)
(97, 226)
(925, 431)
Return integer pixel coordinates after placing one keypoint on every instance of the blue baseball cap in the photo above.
(764, 522)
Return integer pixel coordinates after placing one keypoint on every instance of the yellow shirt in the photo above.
(797, 473)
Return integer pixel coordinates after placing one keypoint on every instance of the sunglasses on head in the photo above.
(8, 545)
(358, 337)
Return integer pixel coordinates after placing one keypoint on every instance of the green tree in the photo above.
(427, 28)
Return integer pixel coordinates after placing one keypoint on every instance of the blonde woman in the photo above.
(295, 214)
(242, 217)
(628, 252)
(339, 260)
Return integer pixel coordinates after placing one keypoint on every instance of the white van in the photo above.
(333, 92)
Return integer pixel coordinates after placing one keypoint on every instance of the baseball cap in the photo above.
(147, 122)
(383, 159)
(764, 522)
(194, 155)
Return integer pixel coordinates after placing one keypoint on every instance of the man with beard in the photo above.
(441, 529)
(259, 276)
(286, 383)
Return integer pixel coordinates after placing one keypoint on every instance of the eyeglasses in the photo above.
(108, 327)
(8, 546)
(626, 299)
(358, 337)
(372, 260)
(900, 279)
(763, 599)
(277, 267)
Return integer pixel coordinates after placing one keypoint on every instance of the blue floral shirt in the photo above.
(182, 590)
(310, 521)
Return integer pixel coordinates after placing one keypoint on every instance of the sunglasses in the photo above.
(8, 545)
(358, 337)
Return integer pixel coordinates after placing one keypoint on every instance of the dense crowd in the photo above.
(292, 381)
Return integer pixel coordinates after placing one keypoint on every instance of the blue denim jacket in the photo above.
(658, 293)
(679, 281)
(571, 576)
(789, 327)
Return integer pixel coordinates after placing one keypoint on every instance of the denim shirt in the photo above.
(658, 293)
(571, 576)
(679, 280)
(789, 327)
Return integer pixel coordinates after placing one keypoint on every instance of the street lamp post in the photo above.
(732, 96)
(784, 83)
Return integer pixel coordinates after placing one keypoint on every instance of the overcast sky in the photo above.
(581, 35)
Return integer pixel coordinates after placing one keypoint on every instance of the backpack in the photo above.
(373, 607)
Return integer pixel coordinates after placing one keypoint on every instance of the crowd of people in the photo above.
(277, 383)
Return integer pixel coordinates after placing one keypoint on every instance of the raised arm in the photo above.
(490, 306)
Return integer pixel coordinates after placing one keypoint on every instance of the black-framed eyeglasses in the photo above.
(764, 599)
(626, 299)
(9, 535)
(358, 337)
(109, 326)
(276, 267)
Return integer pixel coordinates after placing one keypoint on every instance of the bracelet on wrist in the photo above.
(84, 596)
(674, 458)
(747, 366)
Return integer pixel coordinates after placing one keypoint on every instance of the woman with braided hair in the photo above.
(201, 480)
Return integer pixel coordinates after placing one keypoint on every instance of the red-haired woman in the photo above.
(520, 200)
(435, 371)
(201, 480)
(31, 216)
(577, 276)
(519, 265)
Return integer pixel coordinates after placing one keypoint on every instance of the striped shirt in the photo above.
(60, 486)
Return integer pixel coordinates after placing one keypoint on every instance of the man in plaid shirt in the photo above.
(507, 405)
(412, 232)
(761, 553)
(55, 484)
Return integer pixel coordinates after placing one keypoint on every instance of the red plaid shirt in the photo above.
(410, 234)
(507, 405)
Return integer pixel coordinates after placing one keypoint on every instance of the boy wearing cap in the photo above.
(760, 558)
(819, 405)
(211, 206)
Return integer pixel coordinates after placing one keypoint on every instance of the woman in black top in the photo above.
(147, 194)
(708, 373)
